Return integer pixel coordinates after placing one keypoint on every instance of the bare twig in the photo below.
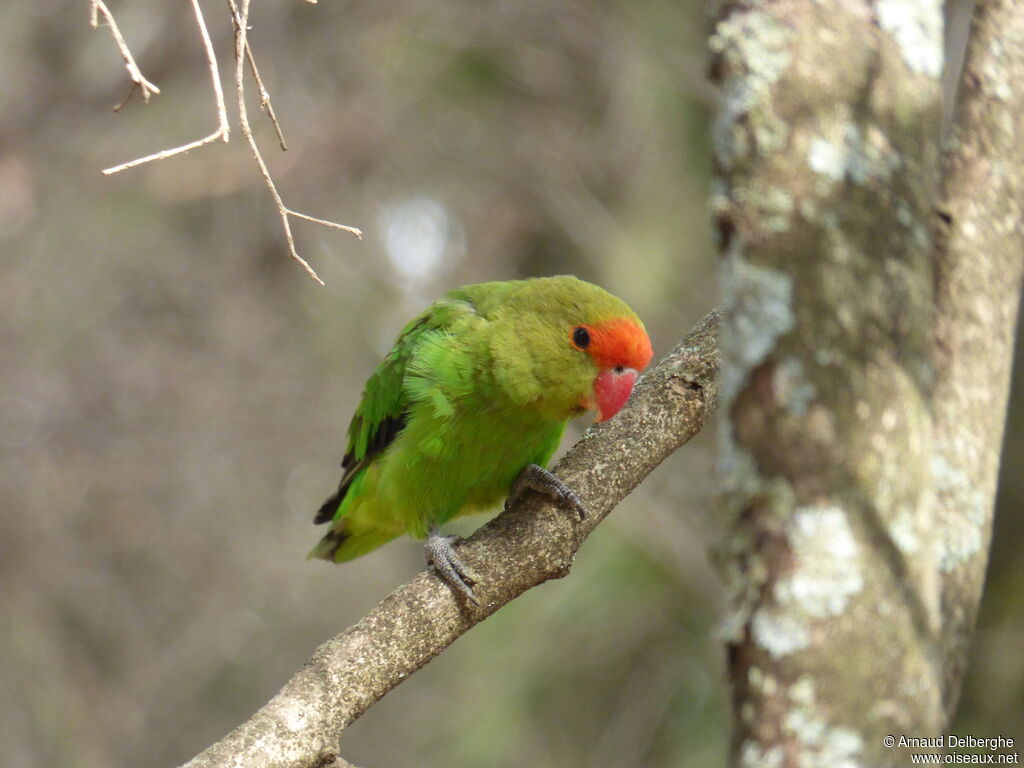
(140, 82)
(223, 129)
(532, 542)
(241, 21)
(243, 54)
(345, 228)
(127, 98)
(264, 96)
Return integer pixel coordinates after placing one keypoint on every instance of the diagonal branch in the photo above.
(531, 543)
(241, 22)
(265, 103)
(145, 86)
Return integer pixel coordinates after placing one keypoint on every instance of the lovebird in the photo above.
(468, 407)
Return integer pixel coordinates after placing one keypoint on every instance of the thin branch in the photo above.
(131, 92)
(241, 21)
(265, 104)
(532, 542)
(165, 153)
(223, 129)
(140, 82)
(243, 54)
(351, 230)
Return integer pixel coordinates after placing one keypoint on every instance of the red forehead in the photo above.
(619, 342)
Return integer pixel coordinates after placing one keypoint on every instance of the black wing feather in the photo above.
(388, 429)
(392, 369)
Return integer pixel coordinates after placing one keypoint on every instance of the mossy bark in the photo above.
(979, 263)
(844, 620)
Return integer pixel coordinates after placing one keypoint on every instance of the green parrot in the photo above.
(468, 407)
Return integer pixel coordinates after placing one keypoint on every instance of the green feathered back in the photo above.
(479, 385)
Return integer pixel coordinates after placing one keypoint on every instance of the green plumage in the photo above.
(478, 386)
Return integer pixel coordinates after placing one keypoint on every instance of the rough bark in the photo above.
(852, 590)
(978, 276)
(532, 542)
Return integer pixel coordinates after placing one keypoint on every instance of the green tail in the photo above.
(340, 545)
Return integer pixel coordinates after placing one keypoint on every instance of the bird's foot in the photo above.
(449, 566)
(535, 478)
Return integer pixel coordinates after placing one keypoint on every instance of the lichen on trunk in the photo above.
(827, 161)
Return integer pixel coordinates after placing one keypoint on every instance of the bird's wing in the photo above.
(382, 412)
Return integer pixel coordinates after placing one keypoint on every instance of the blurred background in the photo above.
(174, 390)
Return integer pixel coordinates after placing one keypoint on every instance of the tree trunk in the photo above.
(865, 364)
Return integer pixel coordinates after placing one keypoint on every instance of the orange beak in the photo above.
(612, 389)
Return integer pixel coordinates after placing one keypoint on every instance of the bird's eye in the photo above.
(580, 337)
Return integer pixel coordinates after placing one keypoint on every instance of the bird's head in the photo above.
(564, 346)
(619, 349)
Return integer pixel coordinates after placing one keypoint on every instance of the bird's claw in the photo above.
(449, 566)
(535, 478)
